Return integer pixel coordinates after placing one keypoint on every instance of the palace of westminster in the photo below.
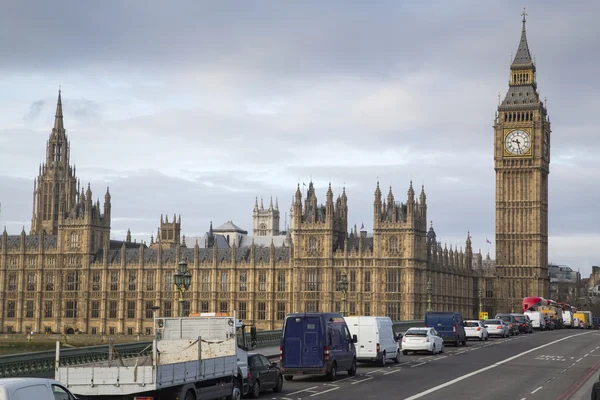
(67, 275)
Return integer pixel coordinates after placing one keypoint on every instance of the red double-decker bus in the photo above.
(549, 308)
(533, 303)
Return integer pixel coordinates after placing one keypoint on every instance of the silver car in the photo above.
(497, 327)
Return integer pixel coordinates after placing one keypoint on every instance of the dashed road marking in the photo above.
(393, 372)
(416, 365)
(324, 391)
(303, 390)
(536, 390)
(362, 380)
(373, 371)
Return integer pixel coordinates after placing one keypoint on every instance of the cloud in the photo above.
(34, 111)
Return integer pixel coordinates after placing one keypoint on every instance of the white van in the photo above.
(33, 389)
(376, 340)
(537, 319)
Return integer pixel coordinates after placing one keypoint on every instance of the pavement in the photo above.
(560, 364)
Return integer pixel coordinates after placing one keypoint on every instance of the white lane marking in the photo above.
(303, 390)
(341, 380)
(579, 360)
(324, 391)
(416, 365)
(375, 370)
(368, 379)
(524, 398)
(392, 372)
(404, 363)
(438, 358)
(461, 378)
(540, 388)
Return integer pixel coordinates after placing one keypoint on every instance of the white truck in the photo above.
(192, 358)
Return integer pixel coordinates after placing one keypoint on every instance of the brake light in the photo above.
(403, 339)
(280, 354)
(325, 353)
(427, 340)
(498, 327)
(143, 398)
(378, 347)
(478, 329)
(453, 328)
(524, 324)
(249, 375)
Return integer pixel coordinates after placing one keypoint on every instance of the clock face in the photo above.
(517, 142)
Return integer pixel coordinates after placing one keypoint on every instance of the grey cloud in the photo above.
(34, 111)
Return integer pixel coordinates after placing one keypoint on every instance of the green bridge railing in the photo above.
(41, 364)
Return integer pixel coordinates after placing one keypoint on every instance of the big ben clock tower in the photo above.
(522, 161)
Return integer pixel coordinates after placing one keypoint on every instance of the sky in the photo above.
(200, 107)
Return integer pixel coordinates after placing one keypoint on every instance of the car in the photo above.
(524, 323)
(476, 329)
(422, 339)
(450, 325)
(263, 375)
(33, 388)
(497, 327)
(510, 320)
(550, 325)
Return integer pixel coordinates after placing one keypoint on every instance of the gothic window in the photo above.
(393, 244)
(262, 230)
(132, 281)
(167, 308)
(367, 282)
(205, 281)
(49, 284)
(204, 306)
(112, 309)
(281, 281)
(352, 308)
(114, 281)
(243, 282)
(242, 310)
(338, 277)
(71, 309)
(168, 282)
(489, 289)
(393, 282)
(10, 309)
(262, 281)
(367, 308)
(48, 309)
(149, 281)
(393, 311)
(149, 314)
(31, 282)
(311, 306)
(95, 309)
(312, 244)
(72, 281)
(224, 281)
(353, 281)
(223, 307)
(131, 309)
(59, 153)
(312, 280)
(29, 309)
(280, 311)
(262, 310)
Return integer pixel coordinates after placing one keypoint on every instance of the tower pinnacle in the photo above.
(58, 117)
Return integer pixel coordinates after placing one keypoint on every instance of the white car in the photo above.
(422, 339)
(33, 388)
(476, 329)
(497, 327)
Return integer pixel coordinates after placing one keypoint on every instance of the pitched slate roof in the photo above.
(229, 226)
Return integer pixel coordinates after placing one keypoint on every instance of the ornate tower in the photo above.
(522, 161)
(169, 233)
(265, 222)
(55, 190)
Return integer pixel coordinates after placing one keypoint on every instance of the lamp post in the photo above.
(480, 304)
(182, 279)
(343, 286)
(154, 310)
(429, 291)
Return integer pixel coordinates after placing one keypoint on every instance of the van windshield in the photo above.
(416, 332)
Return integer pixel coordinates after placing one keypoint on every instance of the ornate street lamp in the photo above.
(480, 302)
(182, 279)
(343, 287)
(429, 292)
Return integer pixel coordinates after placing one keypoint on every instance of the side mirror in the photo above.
(273, 365)
(354, 339)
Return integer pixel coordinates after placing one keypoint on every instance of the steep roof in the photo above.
(229, 226)
(523, 56)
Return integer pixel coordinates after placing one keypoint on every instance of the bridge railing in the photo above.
(41, 364)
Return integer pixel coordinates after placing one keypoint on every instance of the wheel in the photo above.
(442, 348)
(481, 338)
(405, 352)
(383, 360)
(487, 337)
(288, 377)
(352, 370)
(433, 349)
(457, 343)
(397, 358)
(236, 394)
(464, 342)
(279, 387)
(189, 395)
(332, 372)
(255, 391)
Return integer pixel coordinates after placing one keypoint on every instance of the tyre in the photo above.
(383, 359)
(433, 350)
(288, 377)
(397, 358)
(332, 373)
(405, 352)
(279, 387)
(189, 395)
(487, 337)
(236, 394)
(255, 390)
(481, 338)
(352, 370)
(442, 348)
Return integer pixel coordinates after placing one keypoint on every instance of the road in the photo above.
(545, 365)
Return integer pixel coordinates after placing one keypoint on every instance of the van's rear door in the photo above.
(444, 324)
(302, 344)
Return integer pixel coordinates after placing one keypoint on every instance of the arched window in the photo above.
(393, 243)
(74, 240)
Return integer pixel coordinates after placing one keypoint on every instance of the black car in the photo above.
(264, 375)
(524, 323)
(511, 321)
